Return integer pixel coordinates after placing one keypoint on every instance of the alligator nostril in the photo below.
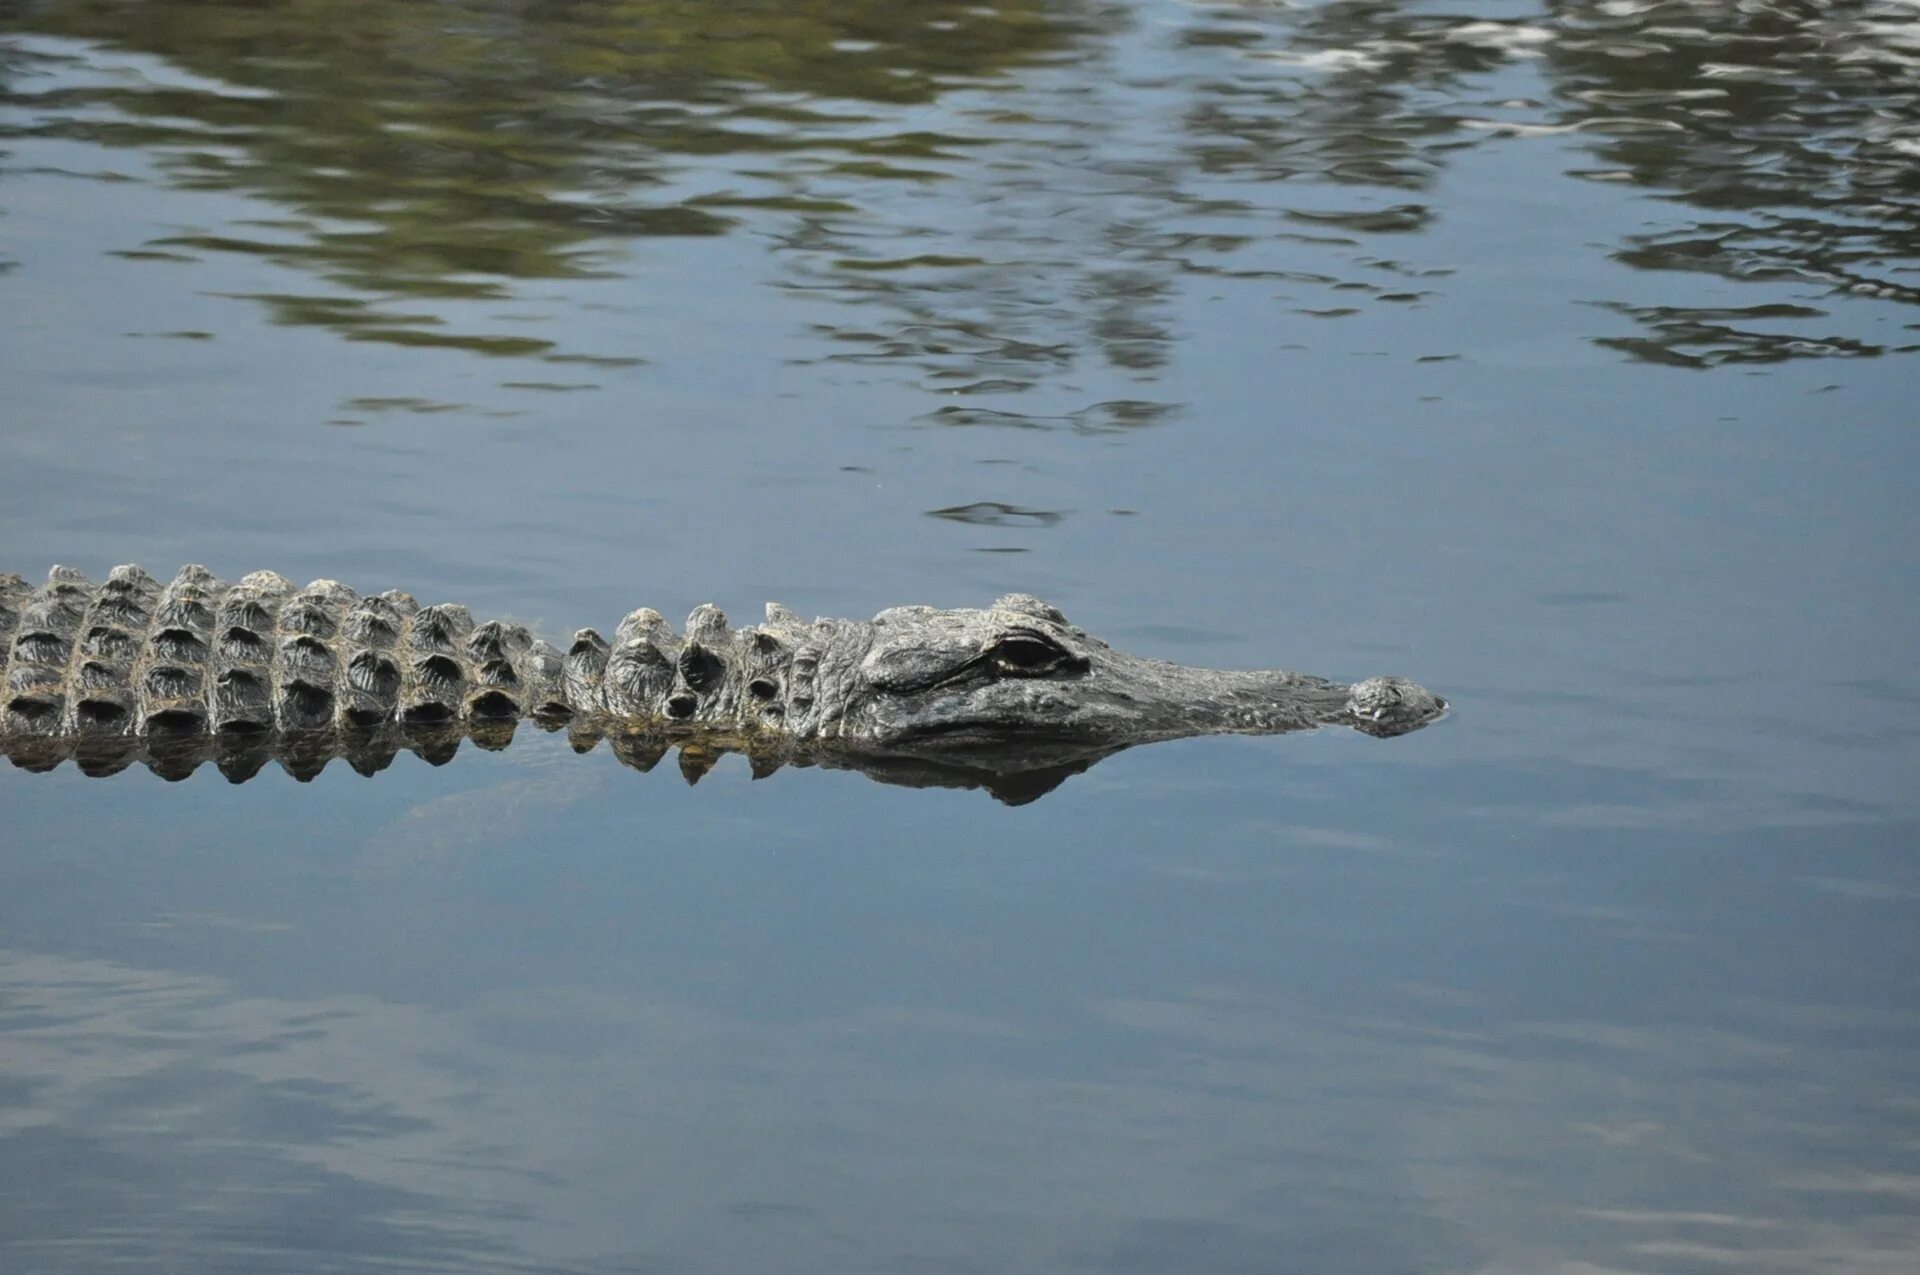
(680, 707)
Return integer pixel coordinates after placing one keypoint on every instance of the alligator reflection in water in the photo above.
(1012, 697)
(1012, 775)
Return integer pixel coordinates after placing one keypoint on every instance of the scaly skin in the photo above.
(243, 673)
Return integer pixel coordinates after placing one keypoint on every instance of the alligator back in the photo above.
(198, 657)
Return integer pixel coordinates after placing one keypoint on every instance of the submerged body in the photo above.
(241, 673)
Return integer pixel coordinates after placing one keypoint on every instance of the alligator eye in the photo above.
(1026, 653)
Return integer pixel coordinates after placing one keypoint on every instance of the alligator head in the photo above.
(1019, 675)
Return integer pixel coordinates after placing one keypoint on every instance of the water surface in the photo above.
(1561, 356)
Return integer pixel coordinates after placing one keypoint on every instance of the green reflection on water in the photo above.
(439, 152)
(425, 157)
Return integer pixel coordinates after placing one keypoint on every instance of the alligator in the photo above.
(1011, 697)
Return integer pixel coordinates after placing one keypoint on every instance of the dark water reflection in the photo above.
(423, 157)
(993, 228)
(1558, 355)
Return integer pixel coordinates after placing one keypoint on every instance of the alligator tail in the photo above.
(133, 657)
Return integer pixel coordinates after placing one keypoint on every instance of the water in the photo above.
(1559, 356)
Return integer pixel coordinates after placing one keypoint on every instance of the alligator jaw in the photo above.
(1120, 700)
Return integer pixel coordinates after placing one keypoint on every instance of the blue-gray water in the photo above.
(1561, 356)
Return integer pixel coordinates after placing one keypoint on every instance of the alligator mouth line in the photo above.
(974, 735)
